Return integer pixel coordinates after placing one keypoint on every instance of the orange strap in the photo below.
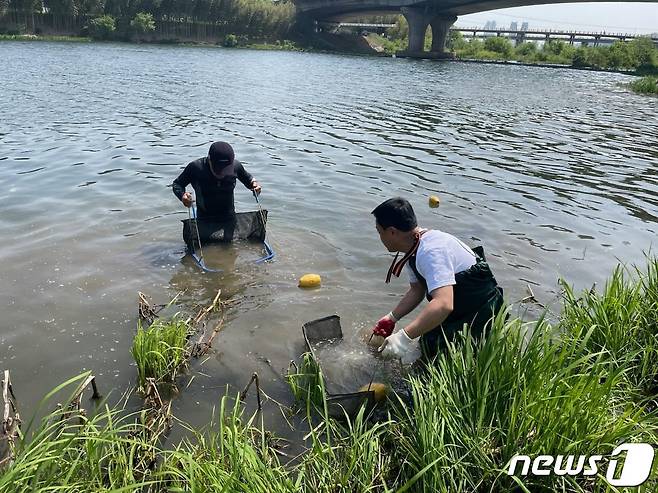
(396, 267)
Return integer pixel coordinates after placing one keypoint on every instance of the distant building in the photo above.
(513, 26)
(490, 25)
(524, 26)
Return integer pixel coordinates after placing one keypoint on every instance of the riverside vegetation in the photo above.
(645, 85)
(145, 20)
(639, 55)
(579, 385)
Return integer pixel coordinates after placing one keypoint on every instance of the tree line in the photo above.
(257, 18)
(638, 55)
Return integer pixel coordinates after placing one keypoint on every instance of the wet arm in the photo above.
(433, 314)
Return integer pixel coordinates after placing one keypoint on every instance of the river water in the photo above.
(554, 171)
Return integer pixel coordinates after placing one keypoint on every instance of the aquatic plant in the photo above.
(645, 85)
(306, 382)
(160, 350)
(350, 455)
(232, 454)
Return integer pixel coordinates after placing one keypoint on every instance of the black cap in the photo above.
(221, 158)
(221, 154)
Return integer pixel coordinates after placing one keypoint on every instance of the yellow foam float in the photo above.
(434, 201)
(380, 390)
(310, 281)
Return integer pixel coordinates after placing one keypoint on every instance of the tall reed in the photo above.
(623, 323)
(518, 392)
(160, 350)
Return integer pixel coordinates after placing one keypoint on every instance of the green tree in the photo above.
(499, 45)
(142, 23)
(597, 57)
(525, 50)
(401, 29)
(91, 7)
(102, 27)
(473, 48)
(620, 55)
(644, 52)
(230, 41)
(554, 47)
(456, 41)
(580, 58)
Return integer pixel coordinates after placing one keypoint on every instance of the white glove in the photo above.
(398, 345)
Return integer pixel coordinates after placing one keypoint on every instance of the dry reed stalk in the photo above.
(11, 421)
(243, 394)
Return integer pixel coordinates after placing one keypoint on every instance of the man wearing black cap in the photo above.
(213, 178)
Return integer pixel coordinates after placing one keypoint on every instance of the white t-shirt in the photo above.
(439, 257)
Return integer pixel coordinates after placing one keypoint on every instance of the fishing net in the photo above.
(244, 226)
(324, 331)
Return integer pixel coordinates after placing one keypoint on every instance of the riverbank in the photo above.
(284, 45)
(637, 57)
(581, 386)
(53, 38)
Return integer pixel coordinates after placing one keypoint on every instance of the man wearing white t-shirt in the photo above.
(456, 281)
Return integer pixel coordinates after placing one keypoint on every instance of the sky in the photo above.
(618, 17)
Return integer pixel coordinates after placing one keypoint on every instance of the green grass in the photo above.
(160, 350)
(622, 321)
(306, 382)
(645, 85)
(390, 46)
(286, 45)
(106, 452)
(580, 386)
(521, 392)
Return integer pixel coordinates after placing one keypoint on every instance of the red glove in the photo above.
(385, 325)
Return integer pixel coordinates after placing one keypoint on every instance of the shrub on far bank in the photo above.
(639, 55)
(142, 23)
(455, 41)
(645, 85)
(499, 45)
(525, 50)
(230, 41)
(102, 27)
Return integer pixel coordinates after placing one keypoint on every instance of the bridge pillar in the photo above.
(440, 28)
(418, 21)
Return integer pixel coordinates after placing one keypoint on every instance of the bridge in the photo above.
(440, 15)
(571, 37)
(516, 35)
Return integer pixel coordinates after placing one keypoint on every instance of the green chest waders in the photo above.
(477, 298)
